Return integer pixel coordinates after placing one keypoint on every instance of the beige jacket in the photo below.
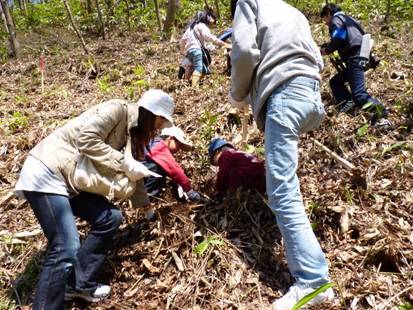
(99, 133)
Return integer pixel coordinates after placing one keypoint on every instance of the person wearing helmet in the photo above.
(159, 158)
(346, 38)
(47, 182)
(276, 70)
(236, 169)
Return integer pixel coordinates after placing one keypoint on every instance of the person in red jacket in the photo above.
(236, 169)
(159, 158)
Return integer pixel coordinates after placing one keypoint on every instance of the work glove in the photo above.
(150, 214)
(240, 105)
(193, 196)
(134, 169)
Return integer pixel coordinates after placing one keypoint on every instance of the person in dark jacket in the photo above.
(159, 158)
(226, 35)
(236, 169)
(346, 38)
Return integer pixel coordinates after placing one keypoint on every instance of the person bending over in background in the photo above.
(275, 68)
(47, 181)
(346, 38)
(193, 42)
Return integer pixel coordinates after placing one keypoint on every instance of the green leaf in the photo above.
(312, 295)
(214, 241)
(249, 149)
(407, 306)
(362, 131)
(392, 147)
(202, 247)
(367, 105)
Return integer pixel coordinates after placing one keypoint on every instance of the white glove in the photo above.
(134, 169)
(241, 105)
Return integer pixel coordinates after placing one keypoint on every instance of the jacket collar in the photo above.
(133, 113)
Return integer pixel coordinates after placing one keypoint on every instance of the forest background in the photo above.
(57, 58)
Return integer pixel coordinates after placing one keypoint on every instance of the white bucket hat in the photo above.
(159, 103)
(179, 135)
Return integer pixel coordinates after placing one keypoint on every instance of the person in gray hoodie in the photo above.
(275, 69)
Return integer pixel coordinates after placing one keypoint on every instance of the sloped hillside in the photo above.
(218, 255)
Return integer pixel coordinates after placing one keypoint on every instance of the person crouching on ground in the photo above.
(236, 169)
(159, 158)
(346, 38)
(47, 181)
(193, 42)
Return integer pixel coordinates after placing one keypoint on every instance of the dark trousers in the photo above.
(354, 75)
(68, 262)
(155, 186)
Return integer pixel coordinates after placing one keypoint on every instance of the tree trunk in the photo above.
(388, 12)
(69, 13)
(8, 22)
(128, 14)
(170, 18)
(217, 9)
(207, 7)
(102, 24)
(88, 5)
(20, 4)
(110, 6)
(158, 15)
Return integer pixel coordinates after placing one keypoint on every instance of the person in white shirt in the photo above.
(193, 42)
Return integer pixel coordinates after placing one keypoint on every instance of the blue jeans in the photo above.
(195, 56)
(69, 264)
(293, 109)
(354, 75)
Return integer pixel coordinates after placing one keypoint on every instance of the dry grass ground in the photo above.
(365, 228)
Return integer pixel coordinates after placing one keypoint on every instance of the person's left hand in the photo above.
(193, 196)
(228, 46)
(240, 105)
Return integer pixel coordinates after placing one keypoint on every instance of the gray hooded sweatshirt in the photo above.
(271, 43)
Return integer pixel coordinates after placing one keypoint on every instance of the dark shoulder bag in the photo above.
(206, 57)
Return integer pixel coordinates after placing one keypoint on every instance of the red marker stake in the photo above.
(42, 69)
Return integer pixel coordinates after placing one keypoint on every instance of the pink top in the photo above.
(189, 40)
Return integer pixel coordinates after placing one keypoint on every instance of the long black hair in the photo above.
(143, 132)
(202, 17)
(330, 8)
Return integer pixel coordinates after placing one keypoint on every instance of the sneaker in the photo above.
(296, 292)
(382, 123)
(346, 106)
(101, 292)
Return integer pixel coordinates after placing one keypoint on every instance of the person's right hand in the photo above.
(228, 46)
(240, 105)
(193, 196)
(134, 169)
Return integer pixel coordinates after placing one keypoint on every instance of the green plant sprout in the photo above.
(15, 122)
(203, 246)
(103, 84)
(312, 295)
